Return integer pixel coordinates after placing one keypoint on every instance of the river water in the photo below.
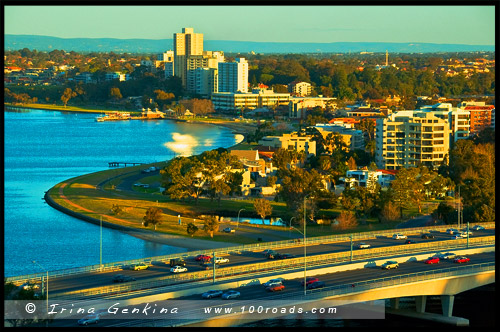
(43, 148)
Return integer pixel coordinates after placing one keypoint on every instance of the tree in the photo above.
(115, 93)
(389, 212)
(191, 229)
(346, 220)
(297, 184)
(67, 95)
(153, 216)
(210, 225)
(182, 178)
(263, 208)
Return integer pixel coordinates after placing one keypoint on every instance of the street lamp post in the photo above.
(305, 246)
(305, 265)
(350, 236)
(100, 249)
(238, 221)
(46, 288)
(290, 227)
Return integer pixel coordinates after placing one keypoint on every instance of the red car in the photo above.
(310, 280)
(461, 260)
(275, 288)
(203, 258)
(432, 260)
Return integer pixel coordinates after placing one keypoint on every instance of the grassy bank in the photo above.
(96, 194)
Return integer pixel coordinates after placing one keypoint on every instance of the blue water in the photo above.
(43, 148)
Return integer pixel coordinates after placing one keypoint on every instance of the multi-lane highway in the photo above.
(257, 295)
(161, 269)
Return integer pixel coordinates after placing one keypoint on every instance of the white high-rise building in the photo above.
(409, 138)
(233, 76)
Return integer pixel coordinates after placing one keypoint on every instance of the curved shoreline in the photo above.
(144, 234)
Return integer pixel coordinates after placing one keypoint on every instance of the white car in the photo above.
(465, 232)
(221, 260)
(363, 245)
(178, 269)
(448, 255)
(399, 237)
(273, 281)
(231, 294)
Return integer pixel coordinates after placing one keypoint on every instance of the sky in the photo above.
(450, 24)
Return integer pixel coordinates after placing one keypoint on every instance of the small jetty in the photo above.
(122, 163)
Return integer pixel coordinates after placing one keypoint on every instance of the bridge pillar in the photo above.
(447, 304)
(395, 303)
(420, 302)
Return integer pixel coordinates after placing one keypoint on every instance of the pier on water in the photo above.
(122, 164)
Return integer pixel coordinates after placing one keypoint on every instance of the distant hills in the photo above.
(152, 46)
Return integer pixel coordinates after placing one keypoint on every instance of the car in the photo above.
(89, 319)
(30, 285)
(390, 265)
(409, 241)
(231, 294)
(458, 236)
(465, 232)
(285, 256)
(271, 254)
(122, 278)
(229, 230)
(177, 261)
(273, 281)
(212, 293)
(309, 280)
(140, 266)
(448, 255)
(268, 251)
(275, 288)
(203, 258)
(221, 260)
(363, 245)
(178, 269)
(461, 259)
(427, 236)
(477, 228)
(432, 260)
(399, 236)
(451, 231)
(316, 284)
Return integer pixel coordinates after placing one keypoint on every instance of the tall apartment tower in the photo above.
(409, 138)
(233, 76)
(186, 44)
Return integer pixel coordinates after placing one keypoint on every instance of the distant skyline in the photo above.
(449, 24)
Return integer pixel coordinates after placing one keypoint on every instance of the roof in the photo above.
(479, 108)
(250, 155)
(388, 171)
